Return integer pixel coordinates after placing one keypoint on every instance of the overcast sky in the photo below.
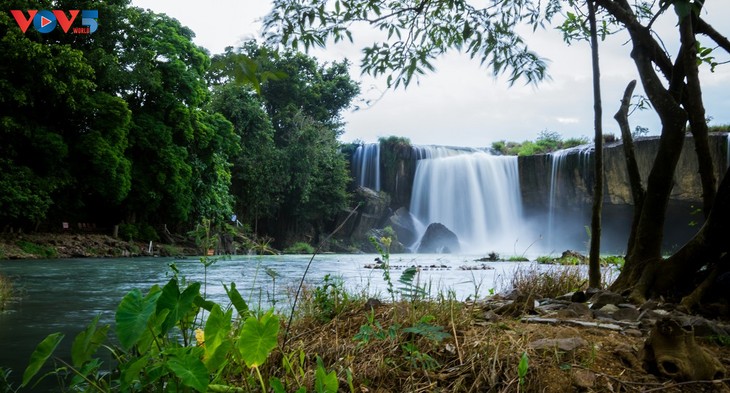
(462, 104)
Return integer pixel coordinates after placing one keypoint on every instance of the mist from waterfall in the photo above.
(474, 194)
(366, 166)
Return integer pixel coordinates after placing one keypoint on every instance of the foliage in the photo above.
(37, 249)
(299, 248)
(329, 298)
(412, 40)
(546, 142)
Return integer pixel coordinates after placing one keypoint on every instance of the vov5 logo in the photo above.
(44, 21)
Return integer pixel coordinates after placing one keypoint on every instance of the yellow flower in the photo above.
(386, 241)
(200, 336)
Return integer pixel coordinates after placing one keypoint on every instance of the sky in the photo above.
(462, 103)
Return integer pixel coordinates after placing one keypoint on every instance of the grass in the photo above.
(37, 249)
(6, 291)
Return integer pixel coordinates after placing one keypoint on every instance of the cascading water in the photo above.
(475, 194)
(366, 166)
(557, 160)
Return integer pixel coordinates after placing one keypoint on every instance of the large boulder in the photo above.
(402, 222)
(439, 239)
(373, 211)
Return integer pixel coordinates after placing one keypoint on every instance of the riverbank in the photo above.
(86, 245)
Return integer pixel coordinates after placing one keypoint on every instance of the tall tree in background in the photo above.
(416, 32)
(304, 101)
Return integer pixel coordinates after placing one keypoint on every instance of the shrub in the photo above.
(551, 282)
(299, 248)
(37, 249)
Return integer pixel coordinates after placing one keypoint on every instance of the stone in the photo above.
(626, 314)
(583, 379)
(405, 228)
(561, 344)
(439, 239)
(603, 298)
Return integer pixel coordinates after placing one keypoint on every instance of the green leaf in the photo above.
(276, 385)
(237, 300)
(87, 342)
(131, 370)
(132, 315)
(522, 368)
(217, 343)
(178, 304)
(39, 356)
(258, 338)
(431, 332)
(190, 370)
(325, 382)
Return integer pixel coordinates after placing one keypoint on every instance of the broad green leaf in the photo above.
(324, 382)
(132, 315)
(237, 300)
(276, 385)
(258, 338)
(87, 342)
(131, 371)
(178, 304)
(39, 356)
(190, 370)
(217, 341)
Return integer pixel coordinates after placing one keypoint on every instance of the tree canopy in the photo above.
(136, 124)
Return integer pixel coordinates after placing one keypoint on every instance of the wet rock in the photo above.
(405, 228)
(439, 239)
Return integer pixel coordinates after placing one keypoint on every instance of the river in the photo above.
(63, 295)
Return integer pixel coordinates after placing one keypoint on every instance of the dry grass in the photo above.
(6, 291)
(479, 356)
(549, 281)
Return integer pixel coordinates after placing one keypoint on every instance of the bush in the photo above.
(37, 249)
(299, 248)
(140, 232)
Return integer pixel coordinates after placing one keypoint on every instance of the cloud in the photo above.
(462, 103)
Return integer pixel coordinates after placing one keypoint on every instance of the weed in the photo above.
(37, 249)
(551, 282)
(299, 248)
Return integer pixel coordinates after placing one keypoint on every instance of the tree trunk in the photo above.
(696, 110)
(637, 190)
(646, 248)
(594, 263)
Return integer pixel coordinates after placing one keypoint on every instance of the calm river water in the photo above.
(63, 295)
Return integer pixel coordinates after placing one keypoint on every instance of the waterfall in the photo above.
(475, 194)
(366, 166)
(557, 160)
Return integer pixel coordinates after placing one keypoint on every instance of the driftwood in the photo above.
(671, 351)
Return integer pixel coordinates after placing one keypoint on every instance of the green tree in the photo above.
(258, 176)
(419, 31)
(304, 101)
(65, 139)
